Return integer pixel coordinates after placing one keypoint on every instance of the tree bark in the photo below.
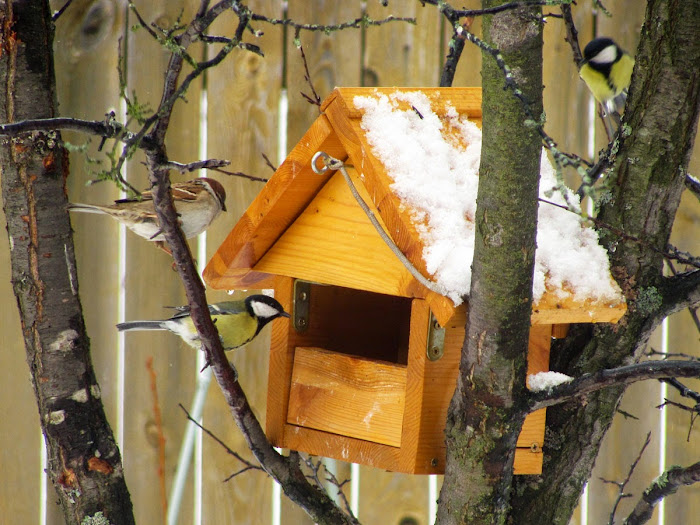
(84, 463)
(645, 188)
(484, 418)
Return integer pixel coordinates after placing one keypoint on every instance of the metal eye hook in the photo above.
(329, 163)
(314, 166)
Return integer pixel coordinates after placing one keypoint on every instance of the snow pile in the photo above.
(434, 163)
(546, 380)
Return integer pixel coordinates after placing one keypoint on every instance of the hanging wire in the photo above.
(333, 164)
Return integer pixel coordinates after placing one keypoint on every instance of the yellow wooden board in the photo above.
(346, 395)
(333, 241)
(277, 205)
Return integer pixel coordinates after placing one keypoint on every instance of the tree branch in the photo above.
(284, 470)
(616, 377)
(621, 485)
(665, 485)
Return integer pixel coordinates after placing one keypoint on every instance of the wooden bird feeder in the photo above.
(366, 367)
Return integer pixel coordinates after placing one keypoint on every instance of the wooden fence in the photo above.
(237, 115)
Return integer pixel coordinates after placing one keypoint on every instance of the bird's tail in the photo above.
(86, 208)
(140, 325)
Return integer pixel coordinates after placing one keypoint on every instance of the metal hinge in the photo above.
(436, 339)
(301, 305)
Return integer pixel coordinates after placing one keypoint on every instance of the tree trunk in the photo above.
(645, 188)
(484, 421)
(84, 464)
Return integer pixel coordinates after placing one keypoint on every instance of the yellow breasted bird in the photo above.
(607, 70)
(238, 322)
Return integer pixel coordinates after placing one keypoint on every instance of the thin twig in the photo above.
(357, 23)
(241, 175)
(58, 13)
(683, 390)
(692, 184)
(621, 485)
(248, 464)
(667, 355)
(461, 13)
(268, 162)
(316, 100)
(693, 311)
(330, 478)
(671, 252)
(209, 164)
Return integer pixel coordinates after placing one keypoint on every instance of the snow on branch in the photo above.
(623, 375)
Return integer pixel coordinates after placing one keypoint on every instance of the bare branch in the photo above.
(209, 164)
(357, 23)
(330, 478)
(665, 485)
(671, 252)
(621, 485)
(58, 13)
(248, 464)
(693, 185)
(623, 375)
(268, 162)
(667, 355)
(108, 128)
(316, 100)
(462, 13)
(683, 390)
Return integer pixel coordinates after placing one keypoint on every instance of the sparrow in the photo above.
(238, 322)
(197, 202)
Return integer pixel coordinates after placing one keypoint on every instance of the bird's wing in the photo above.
(224, 308)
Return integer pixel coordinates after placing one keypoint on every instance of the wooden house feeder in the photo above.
(366, 367)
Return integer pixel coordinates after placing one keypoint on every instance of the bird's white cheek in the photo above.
(263, 310)
(606, 56)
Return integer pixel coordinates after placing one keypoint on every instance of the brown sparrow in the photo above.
(198, 202)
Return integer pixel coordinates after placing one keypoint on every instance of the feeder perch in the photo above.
(365, 369)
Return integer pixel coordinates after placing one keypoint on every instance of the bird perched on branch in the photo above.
(238, 322)
(198, 202)
(607, 71)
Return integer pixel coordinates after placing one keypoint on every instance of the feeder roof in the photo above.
(308, 226)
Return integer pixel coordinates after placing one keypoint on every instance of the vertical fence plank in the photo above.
(151, 284)
(333, 59)
(399, 53)
(387, 497)
(243, 94)
(684, 337)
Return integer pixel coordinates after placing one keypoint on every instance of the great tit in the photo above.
(607, 70)
(238, 322)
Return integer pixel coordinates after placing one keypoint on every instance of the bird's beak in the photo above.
(285, 314)
(223, 207)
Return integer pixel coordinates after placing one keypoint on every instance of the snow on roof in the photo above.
(434, 163)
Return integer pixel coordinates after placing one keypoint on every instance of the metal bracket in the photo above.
(301, 305)
(436, 339)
